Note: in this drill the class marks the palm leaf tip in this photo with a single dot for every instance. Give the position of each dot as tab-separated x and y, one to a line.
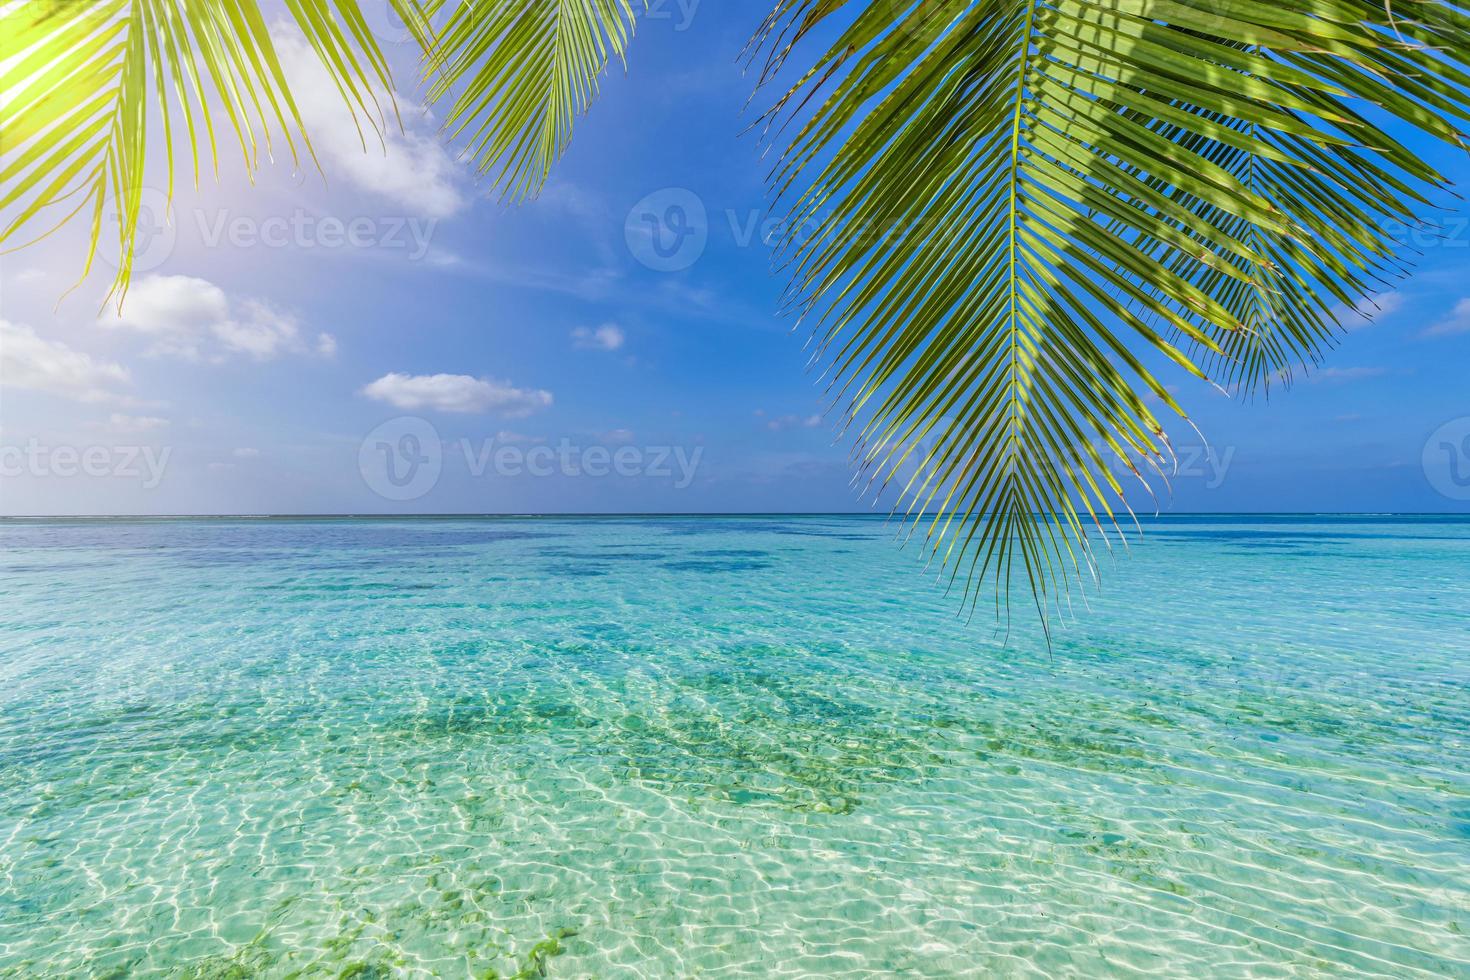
517	74
1088	195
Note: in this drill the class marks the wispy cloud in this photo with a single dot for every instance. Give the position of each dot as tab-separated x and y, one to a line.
458	393
515	438
262	332
1457	322
1335	375
134	424
608	337
30	362
781	423
1370	311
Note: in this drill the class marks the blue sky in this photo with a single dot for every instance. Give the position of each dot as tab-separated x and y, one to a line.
551	359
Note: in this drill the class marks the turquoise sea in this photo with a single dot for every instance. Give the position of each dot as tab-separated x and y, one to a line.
763	746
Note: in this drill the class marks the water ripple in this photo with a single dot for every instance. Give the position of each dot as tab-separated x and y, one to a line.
443	748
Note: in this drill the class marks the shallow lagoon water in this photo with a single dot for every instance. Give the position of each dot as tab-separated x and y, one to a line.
726	747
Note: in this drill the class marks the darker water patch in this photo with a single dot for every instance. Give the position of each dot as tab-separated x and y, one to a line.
751	526
579	571
832	535
354	588
635	556
23	568
716	566
1299	536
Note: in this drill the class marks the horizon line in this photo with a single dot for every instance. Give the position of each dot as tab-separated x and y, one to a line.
448	515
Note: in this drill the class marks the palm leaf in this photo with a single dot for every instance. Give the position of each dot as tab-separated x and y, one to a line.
518	73
81	83
1028	211
84	85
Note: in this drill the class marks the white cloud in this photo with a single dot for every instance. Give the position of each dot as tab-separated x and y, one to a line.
410	168
618	437
36	364
681	294
457	393
609	336
1456	323
262	333
246	453
175	311
442	258
785	422
1342	375
187	317
132	424
1369	311
575	200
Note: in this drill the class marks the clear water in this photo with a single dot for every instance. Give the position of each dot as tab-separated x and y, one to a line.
719	747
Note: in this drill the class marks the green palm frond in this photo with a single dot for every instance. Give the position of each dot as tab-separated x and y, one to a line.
1027	210
85	84
518	73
